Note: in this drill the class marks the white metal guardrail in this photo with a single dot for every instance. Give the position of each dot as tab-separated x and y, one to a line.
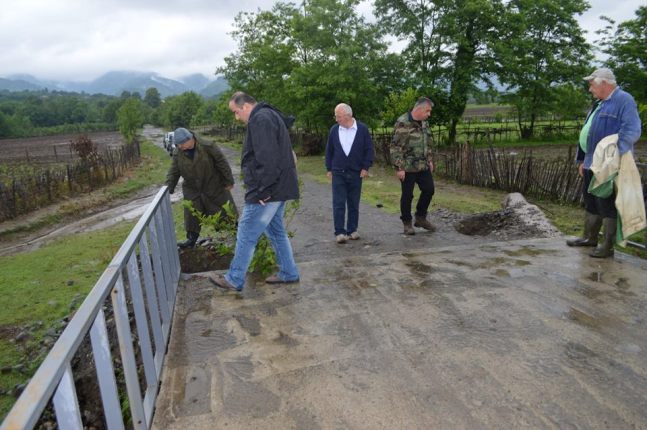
149	253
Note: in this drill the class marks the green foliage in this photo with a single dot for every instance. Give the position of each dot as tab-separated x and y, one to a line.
152	97
221	225
306	62
178	111
626	48
41	113
130	118
396	104
223	228
540	47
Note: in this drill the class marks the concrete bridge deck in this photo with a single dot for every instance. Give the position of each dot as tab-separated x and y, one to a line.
517	334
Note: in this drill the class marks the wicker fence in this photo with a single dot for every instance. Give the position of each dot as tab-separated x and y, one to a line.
22	191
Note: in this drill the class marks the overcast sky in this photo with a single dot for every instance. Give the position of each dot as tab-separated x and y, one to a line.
79	40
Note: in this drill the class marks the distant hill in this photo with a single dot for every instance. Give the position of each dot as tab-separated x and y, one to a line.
115	82
17	85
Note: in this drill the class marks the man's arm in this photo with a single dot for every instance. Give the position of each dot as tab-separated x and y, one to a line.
630	128
222	165
173	175
264	139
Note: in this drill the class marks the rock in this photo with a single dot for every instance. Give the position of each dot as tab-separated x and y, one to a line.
22	336
70	283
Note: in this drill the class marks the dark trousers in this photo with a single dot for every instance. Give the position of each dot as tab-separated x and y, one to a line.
604	207
426	184
346	191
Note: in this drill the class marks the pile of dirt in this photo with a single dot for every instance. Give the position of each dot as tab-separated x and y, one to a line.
518	219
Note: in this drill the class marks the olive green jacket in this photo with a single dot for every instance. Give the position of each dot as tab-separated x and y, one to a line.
206	175
411	144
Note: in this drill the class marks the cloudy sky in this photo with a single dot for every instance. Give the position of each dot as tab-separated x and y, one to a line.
82	39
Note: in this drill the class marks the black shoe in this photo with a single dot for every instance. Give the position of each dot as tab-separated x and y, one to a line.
191	239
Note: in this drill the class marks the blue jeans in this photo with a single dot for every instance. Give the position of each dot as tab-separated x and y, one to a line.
346	191
256	220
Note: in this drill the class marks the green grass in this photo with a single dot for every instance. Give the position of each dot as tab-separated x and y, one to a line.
38	288
383	187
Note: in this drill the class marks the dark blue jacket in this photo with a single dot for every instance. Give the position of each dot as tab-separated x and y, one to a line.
267	161
361	153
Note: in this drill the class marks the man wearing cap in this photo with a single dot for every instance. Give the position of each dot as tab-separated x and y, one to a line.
270	176
207	180
614	112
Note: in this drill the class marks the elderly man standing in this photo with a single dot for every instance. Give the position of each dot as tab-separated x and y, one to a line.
411	156
349	155
270	175
614	112
207	180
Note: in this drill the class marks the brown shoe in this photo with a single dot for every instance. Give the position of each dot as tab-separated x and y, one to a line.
408	228
274	279
220	282
422	222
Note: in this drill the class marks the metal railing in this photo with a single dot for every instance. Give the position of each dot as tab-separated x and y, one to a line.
150	253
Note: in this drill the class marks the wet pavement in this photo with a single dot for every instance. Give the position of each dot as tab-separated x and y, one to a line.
491	334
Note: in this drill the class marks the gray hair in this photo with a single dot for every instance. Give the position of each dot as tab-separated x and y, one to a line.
423	101
240	98
345	108
607	80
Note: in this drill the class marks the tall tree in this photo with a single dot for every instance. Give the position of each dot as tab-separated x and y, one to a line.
306	60
541	47
130	118
627	53
152	97
448	48
179	110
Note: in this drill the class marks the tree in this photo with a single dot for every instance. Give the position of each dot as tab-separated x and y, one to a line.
308	60
541	46
152	98
627	51
179	110
449	47
130	118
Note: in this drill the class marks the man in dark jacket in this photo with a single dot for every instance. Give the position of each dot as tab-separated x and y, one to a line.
270	175
349	154
207	180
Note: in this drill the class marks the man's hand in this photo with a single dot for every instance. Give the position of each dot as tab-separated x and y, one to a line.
329	174
400	174
363	173
262	202
580	170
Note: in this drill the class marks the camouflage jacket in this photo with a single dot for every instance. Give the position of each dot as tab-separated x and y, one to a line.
411	144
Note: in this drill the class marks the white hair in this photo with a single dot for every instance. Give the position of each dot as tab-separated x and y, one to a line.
600	80
345	109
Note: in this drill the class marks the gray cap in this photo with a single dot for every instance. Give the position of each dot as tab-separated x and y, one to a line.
602	73
181	135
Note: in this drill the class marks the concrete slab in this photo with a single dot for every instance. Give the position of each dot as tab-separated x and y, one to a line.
518	334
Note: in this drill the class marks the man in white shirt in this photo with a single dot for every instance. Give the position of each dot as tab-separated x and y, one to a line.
349	155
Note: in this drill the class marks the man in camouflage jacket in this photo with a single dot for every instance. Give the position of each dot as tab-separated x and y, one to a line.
207	180
411	156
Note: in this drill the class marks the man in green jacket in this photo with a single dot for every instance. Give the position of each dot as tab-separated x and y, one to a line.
411	156
207	180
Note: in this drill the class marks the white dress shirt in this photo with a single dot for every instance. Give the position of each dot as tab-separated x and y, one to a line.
347	136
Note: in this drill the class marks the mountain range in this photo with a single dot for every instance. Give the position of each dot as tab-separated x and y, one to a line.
115	82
